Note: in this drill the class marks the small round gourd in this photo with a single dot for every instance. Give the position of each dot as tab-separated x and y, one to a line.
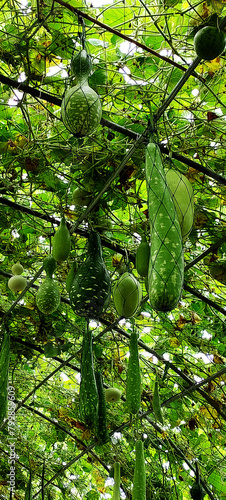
17	283
209	42
112	394
17	268
127	295
81	197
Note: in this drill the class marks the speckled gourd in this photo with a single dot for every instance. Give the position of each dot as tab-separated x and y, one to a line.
183	198
81	108
91	287
48	295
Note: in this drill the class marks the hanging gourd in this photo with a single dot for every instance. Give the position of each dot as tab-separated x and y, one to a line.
117	477
183	198
139	478
61	242
17	268
70	276
91	288
127	295
88	394
142	257
101	420
48	294
133	377
81	106
166	265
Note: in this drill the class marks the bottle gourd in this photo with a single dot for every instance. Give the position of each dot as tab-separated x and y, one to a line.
61	242
166	265
81	107
91	288
48	295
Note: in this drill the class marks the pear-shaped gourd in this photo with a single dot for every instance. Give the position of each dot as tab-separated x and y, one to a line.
142	257
48	294
61	242
81	107
183	198
91	288
127	295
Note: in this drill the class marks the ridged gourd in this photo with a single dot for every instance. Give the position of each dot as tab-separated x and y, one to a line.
81	108
127	295
48	295
61	242
91	288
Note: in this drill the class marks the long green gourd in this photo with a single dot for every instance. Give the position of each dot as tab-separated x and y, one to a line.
133	377
88	395
139	478
166	265
4	368
101	421
116	490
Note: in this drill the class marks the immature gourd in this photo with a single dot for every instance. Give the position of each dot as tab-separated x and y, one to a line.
142	257
101	420
183	198
139	478
88	394
209	42
81	107
127	295
70	276
133	377
17	268
91	288
61	242
17	283
116	490
48	294
112	394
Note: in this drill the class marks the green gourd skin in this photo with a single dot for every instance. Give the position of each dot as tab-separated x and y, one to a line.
81	65
48	295
81	108
127	295
133	377
70	276
166	265
183	198
101	421
88	395
209	42
61	242
116	489
139	478
91	288
142	257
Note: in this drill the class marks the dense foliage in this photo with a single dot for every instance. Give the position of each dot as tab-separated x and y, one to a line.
143	66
